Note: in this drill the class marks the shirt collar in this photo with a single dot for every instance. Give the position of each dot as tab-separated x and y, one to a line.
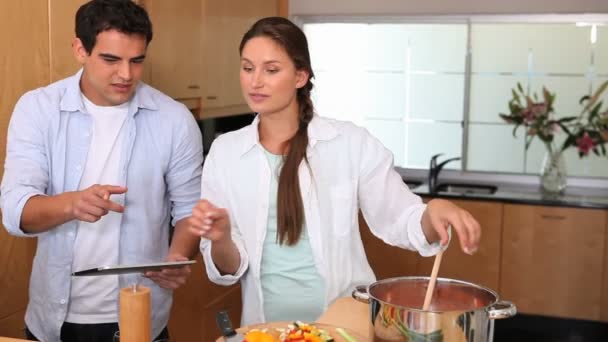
318	130
72	101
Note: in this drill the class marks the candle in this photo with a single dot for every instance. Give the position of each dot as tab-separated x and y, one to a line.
135	314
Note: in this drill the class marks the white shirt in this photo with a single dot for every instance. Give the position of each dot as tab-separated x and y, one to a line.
94	299
351	170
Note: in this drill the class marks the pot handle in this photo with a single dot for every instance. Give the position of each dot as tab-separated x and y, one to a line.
360	294
502	309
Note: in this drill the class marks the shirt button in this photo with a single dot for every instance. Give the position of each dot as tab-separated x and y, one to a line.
78	167
62	301
71	234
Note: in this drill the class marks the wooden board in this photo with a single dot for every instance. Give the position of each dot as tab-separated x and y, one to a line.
271	327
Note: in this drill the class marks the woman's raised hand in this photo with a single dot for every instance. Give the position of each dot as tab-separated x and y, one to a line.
440	214
209	221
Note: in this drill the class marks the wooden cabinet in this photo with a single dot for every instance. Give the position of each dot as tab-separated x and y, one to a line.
13	325
229	300
483	267
604	303
25	58
62	33
387	261
283	8
25	66
197	302
174	58
225	24
16	256
552	260
194	54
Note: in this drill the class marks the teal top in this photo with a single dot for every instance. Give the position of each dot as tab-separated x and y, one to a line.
291	285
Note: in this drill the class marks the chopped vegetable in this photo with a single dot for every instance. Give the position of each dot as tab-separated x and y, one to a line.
302	332
346	335
258	336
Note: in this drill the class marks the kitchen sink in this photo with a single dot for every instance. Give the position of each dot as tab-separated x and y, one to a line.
464	189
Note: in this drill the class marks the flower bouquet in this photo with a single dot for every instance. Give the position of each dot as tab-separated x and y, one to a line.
586	131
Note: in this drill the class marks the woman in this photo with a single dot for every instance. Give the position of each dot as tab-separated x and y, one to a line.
281	196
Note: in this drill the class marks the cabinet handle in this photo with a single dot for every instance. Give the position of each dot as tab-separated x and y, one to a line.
553	217
211	97
193	86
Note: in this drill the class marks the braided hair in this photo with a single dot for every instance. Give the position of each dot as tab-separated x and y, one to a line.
290	208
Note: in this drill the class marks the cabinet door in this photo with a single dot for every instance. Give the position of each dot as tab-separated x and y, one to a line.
62	15
552	260
283	8
387	261
13	326
230	301
196	303
24	60
225	24
25	66
174	58
16	256
604	310
482	268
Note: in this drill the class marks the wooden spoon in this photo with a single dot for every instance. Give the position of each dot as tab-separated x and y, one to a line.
432	281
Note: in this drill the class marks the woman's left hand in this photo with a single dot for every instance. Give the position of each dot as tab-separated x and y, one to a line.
440	214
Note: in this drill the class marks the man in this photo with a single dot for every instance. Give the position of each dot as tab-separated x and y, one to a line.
98	167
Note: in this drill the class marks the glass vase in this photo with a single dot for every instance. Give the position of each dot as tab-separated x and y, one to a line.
553	174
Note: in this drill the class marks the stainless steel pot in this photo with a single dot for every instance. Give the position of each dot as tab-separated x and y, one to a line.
459	311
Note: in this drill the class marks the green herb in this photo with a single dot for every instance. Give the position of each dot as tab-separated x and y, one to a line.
346	335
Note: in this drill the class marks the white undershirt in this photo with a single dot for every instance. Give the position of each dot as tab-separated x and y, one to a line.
94	299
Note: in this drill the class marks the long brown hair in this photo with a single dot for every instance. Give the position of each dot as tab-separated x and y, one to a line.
290	208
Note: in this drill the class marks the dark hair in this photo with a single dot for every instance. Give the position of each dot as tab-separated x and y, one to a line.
290	209
124	16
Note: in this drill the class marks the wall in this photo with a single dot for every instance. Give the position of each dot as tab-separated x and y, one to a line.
444	7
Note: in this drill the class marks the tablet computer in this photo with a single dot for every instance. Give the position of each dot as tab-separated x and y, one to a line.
137	268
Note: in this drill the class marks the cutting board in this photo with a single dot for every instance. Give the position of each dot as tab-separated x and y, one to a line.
271	329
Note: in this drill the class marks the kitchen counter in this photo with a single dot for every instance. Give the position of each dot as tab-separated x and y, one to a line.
526	194
348	313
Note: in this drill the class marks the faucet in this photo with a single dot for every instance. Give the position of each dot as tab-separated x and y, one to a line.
434	170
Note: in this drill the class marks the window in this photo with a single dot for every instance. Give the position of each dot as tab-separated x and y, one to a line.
438	86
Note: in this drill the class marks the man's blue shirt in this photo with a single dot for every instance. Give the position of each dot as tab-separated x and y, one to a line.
47	145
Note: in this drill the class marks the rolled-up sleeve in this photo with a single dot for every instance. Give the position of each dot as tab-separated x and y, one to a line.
212	190
213	273
26	166
184	176
392	211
